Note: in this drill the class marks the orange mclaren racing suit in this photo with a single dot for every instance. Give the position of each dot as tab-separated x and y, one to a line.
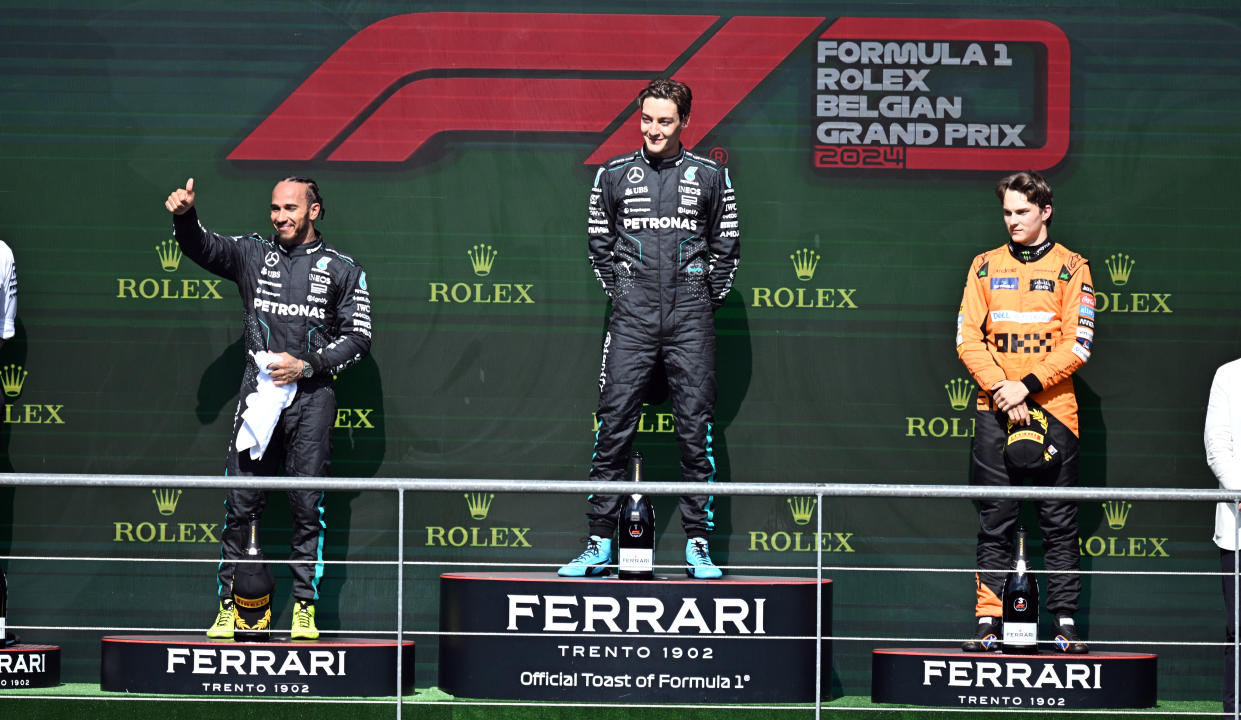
1027	314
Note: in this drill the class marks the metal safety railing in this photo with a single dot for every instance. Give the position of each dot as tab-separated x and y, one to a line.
400	486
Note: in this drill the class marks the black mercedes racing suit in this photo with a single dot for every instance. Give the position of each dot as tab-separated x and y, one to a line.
664	244
311	302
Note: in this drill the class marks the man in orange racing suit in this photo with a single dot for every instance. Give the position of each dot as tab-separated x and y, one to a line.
1026	324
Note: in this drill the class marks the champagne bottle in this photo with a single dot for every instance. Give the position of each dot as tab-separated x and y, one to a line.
636	554
253	587
1021	604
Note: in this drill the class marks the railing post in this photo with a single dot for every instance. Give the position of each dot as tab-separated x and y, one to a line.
400	599
818	608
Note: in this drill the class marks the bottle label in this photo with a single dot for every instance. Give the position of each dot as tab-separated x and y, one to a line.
635	559
1020	633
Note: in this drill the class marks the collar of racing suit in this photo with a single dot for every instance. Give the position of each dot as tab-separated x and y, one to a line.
661	163
303	249
1030	254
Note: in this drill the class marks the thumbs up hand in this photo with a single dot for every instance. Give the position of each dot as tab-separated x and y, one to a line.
182	199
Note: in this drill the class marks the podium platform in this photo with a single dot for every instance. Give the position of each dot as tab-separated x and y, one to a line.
953	678
194	665
26	665
536	636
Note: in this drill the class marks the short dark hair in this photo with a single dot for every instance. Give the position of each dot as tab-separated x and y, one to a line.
1029	183
313	195
667	89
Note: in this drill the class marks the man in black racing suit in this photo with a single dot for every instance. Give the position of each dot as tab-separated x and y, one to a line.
307	317
664	244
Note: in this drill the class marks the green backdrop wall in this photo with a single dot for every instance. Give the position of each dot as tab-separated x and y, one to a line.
846	373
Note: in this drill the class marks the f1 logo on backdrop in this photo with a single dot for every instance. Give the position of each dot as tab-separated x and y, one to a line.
389	89
400	81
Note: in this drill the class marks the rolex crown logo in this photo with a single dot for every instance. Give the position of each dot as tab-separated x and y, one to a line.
169	255
12	377
1116	512
803	508
166	500
479	504
481	258
804	263
959	392
1119	265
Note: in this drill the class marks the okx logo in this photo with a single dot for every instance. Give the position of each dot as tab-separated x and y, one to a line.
482	259
389	89
168	288
803	292
13	380
477	536
959	392
1120	268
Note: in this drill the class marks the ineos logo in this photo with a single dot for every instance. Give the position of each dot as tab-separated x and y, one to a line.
271	259
635	175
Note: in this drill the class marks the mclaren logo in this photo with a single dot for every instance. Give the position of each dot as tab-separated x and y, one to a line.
352	109
1120	271
804	262
166	288
477	536
482	260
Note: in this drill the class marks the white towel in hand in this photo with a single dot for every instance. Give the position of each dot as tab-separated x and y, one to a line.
263	408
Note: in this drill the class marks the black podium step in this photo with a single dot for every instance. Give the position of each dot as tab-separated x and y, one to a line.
29	666
952	678
193	665
536	636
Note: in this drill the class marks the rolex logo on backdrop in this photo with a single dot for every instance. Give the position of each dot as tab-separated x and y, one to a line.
155	531
803	292
1120	267
1118	544
168	288
13	381
648	422
960	391
478	505
166	501
482	259
802	513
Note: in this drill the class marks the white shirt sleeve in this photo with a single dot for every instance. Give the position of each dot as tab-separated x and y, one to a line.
8	292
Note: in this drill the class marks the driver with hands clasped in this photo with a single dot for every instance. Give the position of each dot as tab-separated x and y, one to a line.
1026	324
306	318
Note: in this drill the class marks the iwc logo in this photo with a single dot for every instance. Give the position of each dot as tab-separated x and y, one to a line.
166	288
482	258
801	511
804	261
960	391
13	381
160	531
1116	515
477	536
1120	270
